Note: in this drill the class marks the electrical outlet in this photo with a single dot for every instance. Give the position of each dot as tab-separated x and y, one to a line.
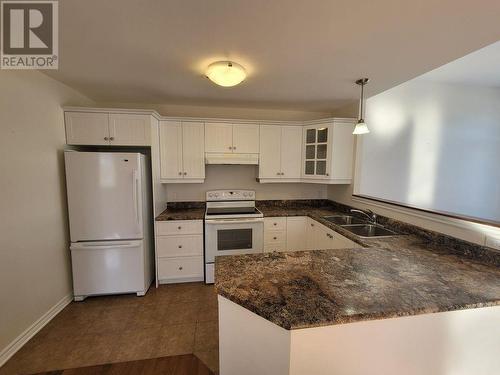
493	242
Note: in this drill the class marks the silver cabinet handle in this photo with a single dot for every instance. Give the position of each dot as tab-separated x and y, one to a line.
106	138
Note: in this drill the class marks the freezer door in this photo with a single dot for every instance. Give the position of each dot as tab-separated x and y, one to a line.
104	195
107	267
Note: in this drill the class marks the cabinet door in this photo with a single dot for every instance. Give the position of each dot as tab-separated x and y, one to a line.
270	145
312	241
85	128
193	150
246	139
170	150
316	151
343	150
218	137
296	233
291	151
129	130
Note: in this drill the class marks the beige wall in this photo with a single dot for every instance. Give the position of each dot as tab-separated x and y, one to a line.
242	177
222	112
34	258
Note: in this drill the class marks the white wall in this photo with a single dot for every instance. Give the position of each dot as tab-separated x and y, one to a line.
434	146
242	177
34	257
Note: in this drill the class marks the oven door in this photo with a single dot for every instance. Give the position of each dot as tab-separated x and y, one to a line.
233	236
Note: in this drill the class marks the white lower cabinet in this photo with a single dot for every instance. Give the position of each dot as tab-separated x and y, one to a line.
179	251
301	233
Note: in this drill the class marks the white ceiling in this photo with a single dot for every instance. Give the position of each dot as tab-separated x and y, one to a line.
480	68
299	54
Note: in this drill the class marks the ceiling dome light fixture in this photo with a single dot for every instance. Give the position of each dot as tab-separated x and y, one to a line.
226	73
361	127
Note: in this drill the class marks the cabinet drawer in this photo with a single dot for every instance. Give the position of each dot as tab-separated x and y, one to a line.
271	237
180	246
166	228
181	267
274	223
278	246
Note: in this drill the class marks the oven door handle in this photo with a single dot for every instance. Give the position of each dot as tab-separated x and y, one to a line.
235	221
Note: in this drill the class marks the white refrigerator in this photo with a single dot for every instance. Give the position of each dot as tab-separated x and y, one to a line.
109	222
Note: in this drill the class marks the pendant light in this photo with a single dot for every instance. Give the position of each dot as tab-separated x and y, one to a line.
226	73
361	127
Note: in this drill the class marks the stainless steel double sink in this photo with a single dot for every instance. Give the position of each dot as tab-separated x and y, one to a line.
360	227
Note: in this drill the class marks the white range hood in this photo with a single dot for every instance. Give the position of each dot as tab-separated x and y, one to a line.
231	158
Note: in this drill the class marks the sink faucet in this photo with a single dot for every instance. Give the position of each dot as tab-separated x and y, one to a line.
372	217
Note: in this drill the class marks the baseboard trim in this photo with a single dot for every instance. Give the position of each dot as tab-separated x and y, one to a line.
31	331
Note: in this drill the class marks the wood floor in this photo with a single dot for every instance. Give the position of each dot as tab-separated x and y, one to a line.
173	320
176	365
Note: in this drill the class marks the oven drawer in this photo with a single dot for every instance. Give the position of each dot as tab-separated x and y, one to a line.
179	246
167	228
180	268
274	223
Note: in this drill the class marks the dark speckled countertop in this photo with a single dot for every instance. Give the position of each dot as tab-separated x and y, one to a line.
183	211
415	273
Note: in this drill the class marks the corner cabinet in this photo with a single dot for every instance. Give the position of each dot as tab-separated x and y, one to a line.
328	152
280	153
182	152
107	129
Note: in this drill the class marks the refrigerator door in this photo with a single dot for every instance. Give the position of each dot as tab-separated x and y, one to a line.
107	267
104	195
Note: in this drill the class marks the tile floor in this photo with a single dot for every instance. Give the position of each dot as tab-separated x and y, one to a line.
171	320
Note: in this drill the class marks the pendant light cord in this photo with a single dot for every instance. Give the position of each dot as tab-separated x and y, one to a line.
360	117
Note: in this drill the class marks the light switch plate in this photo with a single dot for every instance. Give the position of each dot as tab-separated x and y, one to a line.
493	242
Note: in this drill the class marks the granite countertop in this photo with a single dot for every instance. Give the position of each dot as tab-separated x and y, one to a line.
183	211
416	273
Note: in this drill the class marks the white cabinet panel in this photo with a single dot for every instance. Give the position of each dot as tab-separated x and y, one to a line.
218	137
270	152
170	150
343	149
179	268
291	151
129	129
193	150
274	223
184	245
296	233
246	139
86	128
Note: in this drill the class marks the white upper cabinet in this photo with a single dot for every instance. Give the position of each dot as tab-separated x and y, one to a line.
86	128
280	153
129	129
182	152
246	138
218	137
193	150
328	152
114	129
231	138
270	152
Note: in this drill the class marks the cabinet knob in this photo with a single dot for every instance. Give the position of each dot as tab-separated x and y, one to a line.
180	268
234	147
274	238
111	138
282	174
312	225
180	173
179	227
275	224
328	174
230	148
277	173
180	246
185	173
106	138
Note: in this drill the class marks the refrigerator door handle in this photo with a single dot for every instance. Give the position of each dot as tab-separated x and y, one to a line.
135	193
84	246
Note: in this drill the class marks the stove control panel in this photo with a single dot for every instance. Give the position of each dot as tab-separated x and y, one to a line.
230	195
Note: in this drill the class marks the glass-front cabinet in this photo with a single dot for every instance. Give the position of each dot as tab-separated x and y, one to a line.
316	151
